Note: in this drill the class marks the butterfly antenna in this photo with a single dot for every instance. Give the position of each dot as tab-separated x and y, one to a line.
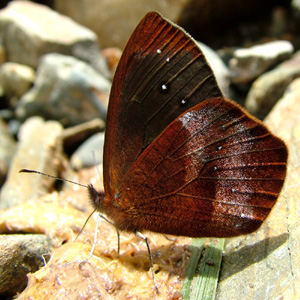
54	177
65	180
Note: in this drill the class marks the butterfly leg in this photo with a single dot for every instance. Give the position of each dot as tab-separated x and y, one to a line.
112	223
95	237
140	235
96	231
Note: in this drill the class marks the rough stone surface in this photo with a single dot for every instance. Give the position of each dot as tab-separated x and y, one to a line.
7	150
266	264
112	55
66	89
114	21
269	87
16	80
83	157
247	64
20	255
39	148
76	135
221	71
30	30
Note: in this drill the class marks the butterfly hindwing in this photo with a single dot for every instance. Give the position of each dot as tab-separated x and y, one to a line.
214	171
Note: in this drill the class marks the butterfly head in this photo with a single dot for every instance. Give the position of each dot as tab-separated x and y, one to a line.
96	197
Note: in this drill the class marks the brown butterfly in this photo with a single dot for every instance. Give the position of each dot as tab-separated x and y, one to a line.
179	158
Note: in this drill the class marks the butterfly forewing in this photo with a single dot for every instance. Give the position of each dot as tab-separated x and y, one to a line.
215	171
161	74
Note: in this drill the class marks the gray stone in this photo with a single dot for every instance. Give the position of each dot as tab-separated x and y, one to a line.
21	254
39	148
76	135
66	89
219	68
7	150
90	153
16	80
30	30
269	87
247	64
114	21
296	4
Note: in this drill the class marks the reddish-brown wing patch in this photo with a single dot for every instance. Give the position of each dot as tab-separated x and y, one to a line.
215	171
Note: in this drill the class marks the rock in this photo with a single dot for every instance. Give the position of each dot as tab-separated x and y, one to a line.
220	69
269	87
7	150
3	58
38	30
114	21
57	215
265	264
112	55
67	90
21	254
296	4
90	153
109	275
215	22
76	135
39	148
16	80
247	64
14	126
